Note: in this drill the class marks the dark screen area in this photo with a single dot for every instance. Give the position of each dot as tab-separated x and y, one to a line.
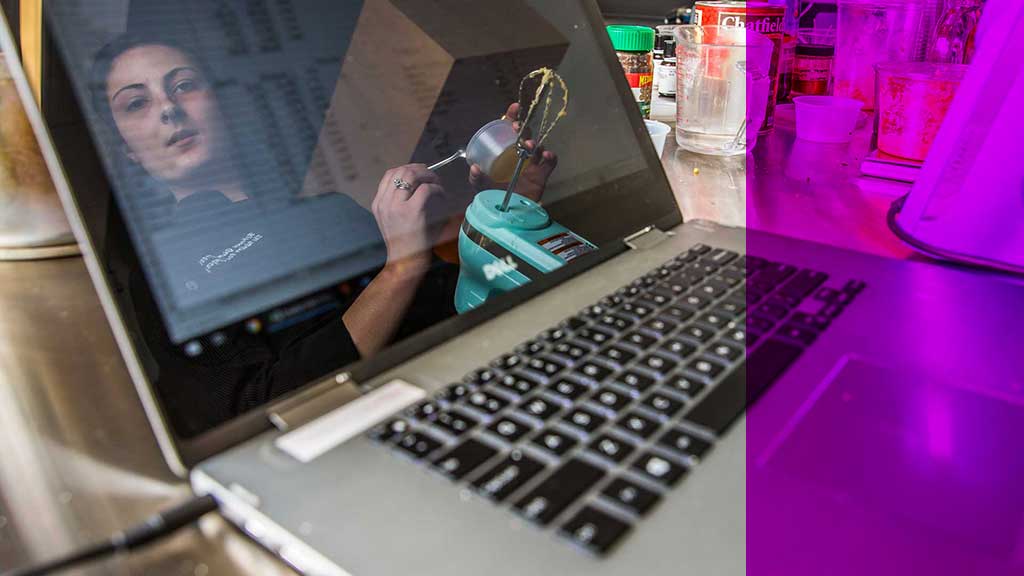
242	167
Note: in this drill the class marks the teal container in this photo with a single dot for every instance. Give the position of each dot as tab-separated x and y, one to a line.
501	251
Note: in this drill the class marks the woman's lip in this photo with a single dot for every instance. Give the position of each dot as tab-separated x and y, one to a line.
185	141
186	136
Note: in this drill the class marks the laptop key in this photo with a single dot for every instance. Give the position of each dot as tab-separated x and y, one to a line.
698	301
485	402
678	314
465	458
639	339
517	384
417	444
595	530
631	496
546	366
617	354
545	502
658	364
569	352
803	284
454	422
593	371
706	367
539	408
636	309
678	349
455	392
508	476
635	380
611	448
584	420
636	424
611	400
554	441
798	333
660	325
389	430
684	444
616	322
685	385
509	429
726	351
425	410
659	469
568	389
662	404
699	333
594	335
481	376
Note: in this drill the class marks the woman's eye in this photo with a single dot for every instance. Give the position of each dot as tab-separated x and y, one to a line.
185	86
135	104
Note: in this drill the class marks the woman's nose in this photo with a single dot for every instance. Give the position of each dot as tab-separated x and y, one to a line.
171	113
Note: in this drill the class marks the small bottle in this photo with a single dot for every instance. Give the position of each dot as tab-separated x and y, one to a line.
634	46
953	41
666	73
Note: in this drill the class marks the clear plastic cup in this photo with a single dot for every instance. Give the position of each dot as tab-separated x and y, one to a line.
714	64
658	132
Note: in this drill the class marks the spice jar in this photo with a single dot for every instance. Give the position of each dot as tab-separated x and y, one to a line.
813	69
666	72
634	46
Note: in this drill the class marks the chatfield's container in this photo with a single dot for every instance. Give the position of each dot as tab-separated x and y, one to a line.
762	17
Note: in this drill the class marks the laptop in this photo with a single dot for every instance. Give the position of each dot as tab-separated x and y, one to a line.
599	419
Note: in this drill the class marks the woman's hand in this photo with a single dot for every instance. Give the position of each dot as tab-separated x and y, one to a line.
410	216
536	172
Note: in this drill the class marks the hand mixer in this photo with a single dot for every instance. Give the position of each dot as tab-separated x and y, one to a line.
507	240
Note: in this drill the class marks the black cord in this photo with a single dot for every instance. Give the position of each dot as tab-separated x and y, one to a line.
973	262
154	528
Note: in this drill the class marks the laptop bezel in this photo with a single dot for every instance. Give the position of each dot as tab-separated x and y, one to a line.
181	454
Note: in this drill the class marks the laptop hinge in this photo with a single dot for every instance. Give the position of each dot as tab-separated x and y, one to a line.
647	238
313	403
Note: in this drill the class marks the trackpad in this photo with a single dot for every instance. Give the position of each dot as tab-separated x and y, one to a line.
923	454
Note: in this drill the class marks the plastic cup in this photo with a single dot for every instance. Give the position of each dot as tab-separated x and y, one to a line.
829	119
659	132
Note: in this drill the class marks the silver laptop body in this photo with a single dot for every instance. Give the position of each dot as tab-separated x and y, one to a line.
355	506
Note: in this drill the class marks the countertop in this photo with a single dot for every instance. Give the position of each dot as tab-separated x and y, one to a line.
79	461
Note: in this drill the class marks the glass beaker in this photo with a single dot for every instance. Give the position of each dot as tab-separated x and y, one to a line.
913	98
870	32
712	70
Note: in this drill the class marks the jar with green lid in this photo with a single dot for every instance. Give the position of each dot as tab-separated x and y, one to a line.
635	48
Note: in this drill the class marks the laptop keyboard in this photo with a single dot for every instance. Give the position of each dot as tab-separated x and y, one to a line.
586	427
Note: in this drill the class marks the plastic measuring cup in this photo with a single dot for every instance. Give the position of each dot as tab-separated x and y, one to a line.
829	119
493	148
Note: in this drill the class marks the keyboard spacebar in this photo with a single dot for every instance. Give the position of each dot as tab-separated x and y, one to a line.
729	398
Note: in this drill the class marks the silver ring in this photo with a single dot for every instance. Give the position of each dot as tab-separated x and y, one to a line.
401	184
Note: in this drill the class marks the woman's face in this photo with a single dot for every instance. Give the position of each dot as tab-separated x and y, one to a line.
166	113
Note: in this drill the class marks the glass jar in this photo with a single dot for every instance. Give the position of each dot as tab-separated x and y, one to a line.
634	46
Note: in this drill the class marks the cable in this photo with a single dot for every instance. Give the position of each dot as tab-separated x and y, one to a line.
963	260
154	528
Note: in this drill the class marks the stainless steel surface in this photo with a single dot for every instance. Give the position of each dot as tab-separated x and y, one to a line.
32	222
78	458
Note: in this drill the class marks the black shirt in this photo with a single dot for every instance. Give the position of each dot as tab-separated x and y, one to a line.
247	370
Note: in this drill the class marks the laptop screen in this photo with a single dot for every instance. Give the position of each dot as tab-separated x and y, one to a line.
253	174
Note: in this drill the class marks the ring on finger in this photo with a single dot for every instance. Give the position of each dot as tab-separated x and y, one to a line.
401	184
